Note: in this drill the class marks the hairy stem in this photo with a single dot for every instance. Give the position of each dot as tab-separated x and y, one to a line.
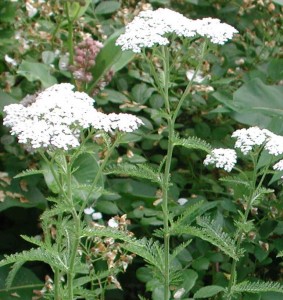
166	182
77	227
239	234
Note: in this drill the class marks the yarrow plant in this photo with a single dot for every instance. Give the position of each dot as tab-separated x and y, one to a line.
76	142
60	124
253	142
158	30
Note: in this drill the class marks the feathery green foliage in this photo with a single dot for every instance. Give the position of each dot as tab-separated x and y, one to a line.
212	233
192	143
140	171
190	212
179	249
51	257
13	272
258	287
218	237
236	179
29	172
259	195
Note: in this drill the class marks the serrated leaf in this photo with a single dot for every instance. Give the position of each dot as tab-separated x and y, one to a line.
29	172
212	233
208	291
192	143
139	170
236	180
50	257
258	287
13	272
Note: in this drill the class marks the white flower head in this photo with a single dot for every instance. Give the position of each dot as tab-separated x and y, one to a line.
274	144
55	118
246	139
124	122
222	158
152	28
279	165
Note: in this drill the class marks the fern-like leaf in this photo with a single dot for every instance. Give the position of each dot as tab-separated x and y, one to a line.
57	209
179	249
139	171
49	257
218	237
258	287
33	240
259	195
29	172
15	268
239	180
190	213
212	233
192	143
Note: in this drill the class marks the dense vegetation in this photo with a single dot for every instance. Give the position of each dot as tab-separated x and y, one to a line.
242	86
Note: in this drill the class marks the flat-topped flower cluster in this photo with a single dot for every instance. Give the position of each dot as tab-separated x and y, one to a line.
151	28
247	140
57	116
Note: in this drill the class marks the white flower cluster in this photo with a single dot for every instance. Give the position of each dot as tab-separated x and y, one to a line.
222	158
151	28
58	115
246	139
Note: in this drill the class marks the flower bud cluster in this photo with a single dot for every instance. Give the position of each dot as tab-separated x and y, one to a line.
55	118
85	55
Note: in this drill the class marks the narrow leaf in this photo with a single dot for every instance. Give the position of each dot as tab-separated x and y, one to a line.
258	287
29	172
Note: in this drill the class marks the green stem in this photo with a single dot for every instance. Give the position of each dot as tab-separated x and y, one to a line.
239	233
77	227
188	88
57	284
70	34
166	182
57	273
99	172
70	39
